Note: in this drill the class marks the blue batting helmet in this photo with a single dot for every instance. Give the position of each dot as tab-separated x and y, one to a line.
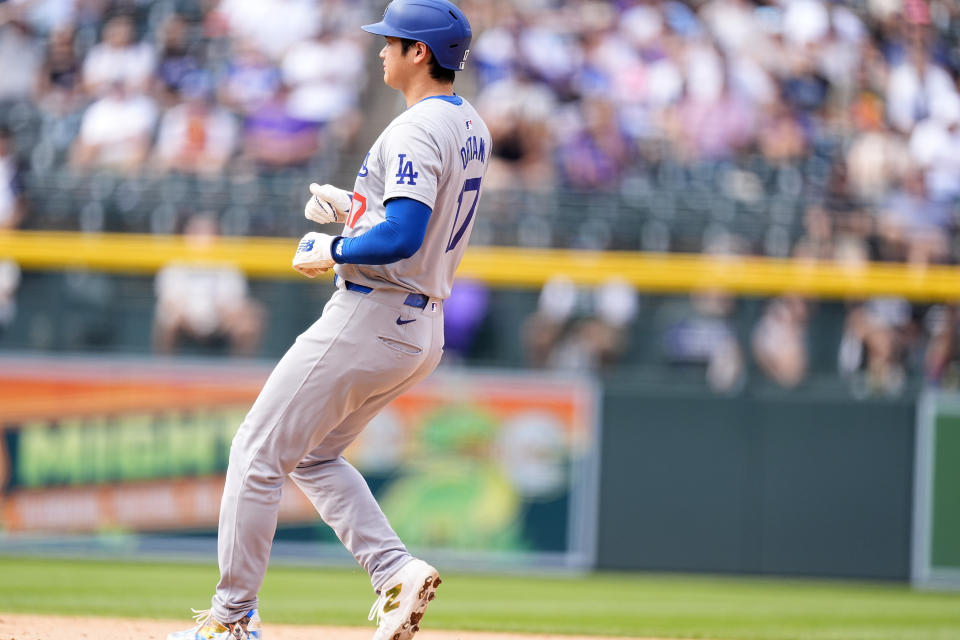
440	25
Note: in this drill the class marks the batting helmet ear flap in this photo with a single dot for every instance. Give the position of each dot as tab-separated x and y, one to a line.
440	25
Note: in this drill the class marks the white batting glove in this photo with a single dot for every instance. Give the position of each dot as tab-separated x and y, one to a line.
328	204
313	254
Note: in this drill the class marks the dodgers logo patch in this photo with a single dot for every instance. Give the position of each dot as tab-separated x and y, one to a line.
305	245
406	172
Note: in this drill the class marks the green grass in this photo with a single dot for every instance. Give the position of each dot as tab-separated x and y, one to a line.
605	604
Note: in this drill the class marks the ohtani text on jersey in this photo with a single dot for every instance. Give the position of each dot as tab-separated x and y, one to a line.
472	150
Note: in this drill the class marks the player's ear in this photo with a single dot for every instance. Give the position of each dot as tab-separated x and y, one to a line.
423	51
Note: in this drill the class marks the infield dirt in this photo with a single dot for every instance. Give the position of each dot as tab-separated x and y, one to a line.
41	627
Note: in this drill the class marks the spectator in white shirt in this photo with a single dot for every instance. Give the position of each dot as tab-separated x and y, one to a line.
118	57
12	210
913	88
116	132
272	25
203	303
326	76
935	147
12	204
21	56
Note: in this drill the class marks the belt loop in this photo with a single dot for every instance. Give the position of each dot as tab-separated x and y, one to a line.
359	288
417	300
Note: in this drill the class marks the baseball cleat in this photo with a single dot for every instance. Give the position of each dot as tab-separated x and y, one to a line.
209	628
403	599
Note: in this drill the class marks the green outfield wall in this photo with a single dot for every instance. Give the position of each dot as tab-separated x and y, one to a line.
805	483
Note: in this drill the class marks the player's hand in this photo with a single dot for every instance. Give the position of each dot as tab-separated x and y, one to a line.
313	254
327	204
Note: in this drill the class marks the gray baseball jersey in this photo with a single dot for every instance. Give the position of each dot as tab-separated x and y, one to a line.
371	343
436	152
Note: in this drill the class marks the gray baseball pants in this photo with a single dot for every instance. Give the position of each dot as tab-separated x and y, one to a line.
364	351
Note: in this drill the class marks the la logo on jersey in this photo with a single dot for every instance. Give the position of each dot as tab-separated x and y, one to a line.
405	171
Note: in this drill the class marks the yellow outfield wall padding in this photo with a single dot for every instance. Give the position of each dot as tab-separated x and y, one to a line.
501	266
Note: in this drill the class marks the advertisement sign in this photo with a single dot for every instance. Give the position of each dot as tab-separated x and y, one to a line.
479	466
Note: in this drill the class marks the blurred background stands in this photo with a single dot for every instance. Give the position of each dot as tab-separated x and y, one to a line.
826	130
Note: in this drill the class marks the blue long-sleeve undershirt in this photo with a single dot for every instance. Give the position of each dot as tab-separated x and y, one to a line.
396	238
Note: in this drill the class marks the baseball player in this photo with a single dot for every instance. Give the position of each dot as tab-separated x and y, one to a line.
406	225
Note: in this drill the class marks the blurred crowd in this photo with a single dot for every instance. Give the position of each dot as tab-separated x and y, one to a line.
582	91
834	123
103	91
860	96
846	111
195	86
